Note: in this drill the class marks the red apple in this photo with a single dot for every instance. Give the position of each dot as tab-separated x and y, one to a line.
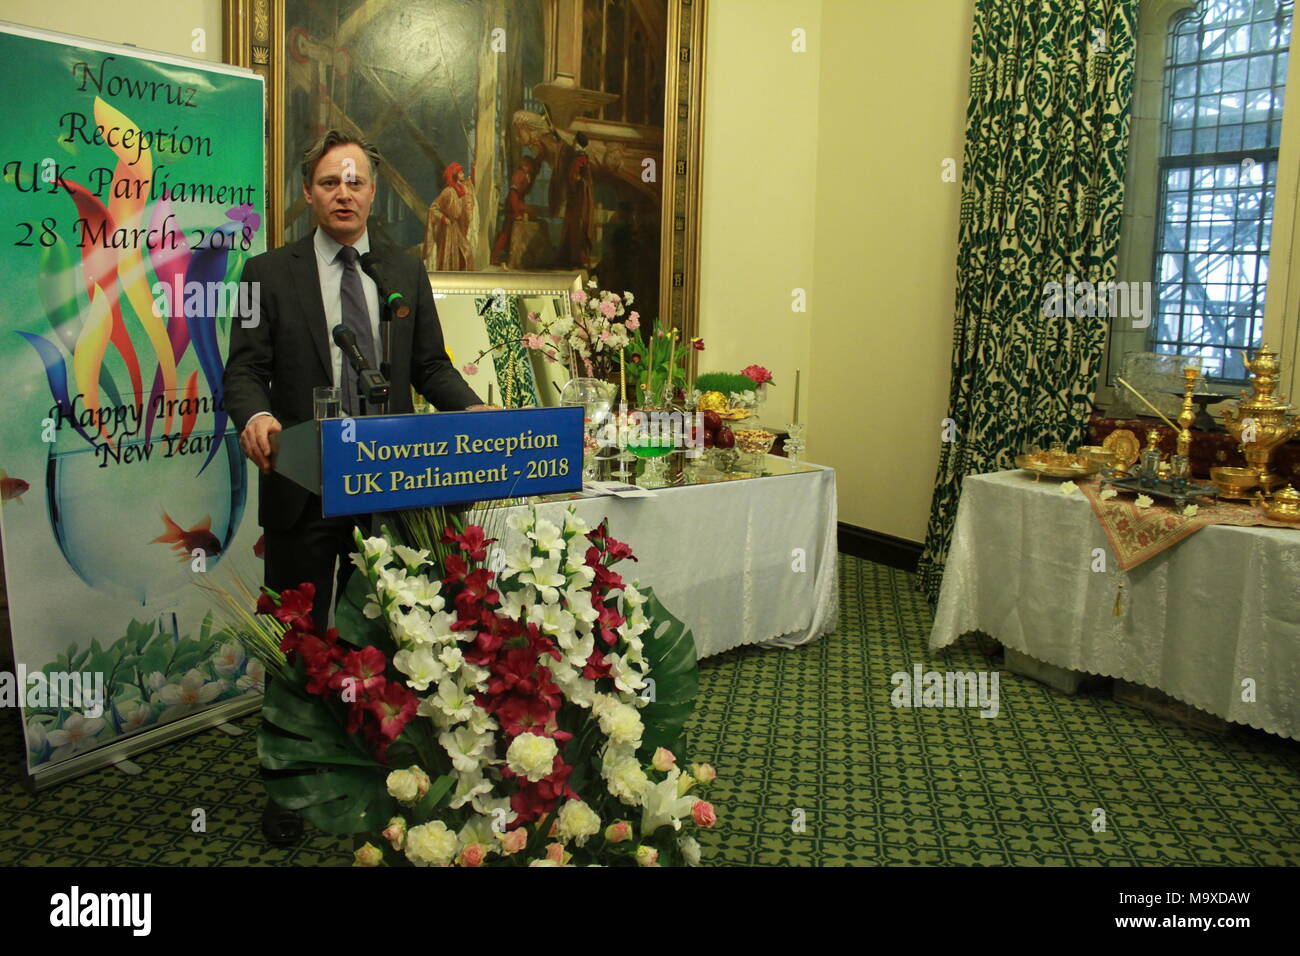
725	438
708	439
712	421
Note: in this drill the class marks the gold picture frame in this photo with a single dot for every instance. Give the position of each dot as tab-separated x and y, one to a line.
255	37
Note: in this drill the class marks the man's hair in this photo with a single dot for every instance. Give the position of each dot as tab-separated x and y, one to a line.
330	139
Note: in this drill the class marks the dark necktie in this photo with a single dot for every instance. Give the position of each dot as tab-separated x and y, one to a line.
356	317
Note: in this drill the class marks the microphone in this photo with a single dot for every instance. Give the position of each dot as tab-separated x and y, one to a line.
372	267
346	340
371	384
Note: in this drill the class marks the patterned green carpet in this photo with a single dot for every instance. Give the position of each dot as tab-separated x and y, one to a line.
817	768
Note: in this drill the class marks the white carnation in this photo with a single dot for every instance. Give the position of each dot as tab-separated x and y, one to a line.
619	722
431	844
577	822
531	756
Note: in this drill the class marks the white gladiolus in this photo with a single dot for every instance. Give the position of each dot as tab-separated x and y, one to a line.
662	806
547	577
420	667
468	786
547	536
468	751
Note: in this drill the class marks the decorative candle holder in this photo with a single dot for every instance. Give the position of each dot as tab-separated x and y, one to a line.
795	441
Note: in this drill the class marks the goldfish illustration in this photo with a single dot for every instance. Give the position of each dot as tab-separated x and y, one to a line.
12	488
259	549
184	542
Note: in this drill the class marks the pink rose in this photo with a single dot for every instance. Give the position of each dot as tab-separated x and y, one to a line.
395	833
514	841
555	853
578	296
704	773
473	855
368	855
634	317
633	322
757	373
608	309
647	856
702	813
469	369
663	760
619	832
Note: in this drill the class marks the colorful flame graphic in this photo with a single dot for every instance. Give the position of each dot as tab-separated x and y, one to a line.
110	275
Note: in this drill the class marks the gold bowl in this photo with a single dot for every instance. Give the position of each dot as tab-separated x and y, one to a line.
1100	453
1234	482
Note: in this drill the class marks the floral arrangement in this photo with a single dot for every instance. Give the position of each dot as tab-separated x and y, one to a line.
660	363
525	710
591	338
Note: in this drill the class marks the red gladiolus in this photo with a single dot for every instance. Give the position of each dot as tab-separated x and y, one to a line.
597	666
472	541
617	551
294	610
393	709
456	569
364	669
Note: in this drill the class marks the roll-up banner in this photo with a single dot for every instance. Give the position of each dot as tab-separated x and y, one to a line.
133	194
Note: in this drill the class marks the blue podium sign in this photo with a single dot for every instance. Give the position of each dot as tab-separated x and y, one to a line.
394	462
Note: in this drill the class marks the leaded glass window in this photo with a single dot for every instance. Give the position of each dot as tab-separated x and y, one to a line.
1225	74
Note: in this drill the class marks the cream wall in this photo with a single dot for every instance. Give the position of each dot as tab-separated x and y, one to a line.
822	171
165	25
759	202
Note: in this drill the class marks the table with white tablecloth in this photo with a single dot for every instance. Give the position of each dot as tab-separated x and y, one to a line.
1214	621
749	561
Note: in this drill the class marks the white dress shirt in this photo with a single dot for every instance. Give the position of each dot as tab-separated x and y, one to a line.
329	267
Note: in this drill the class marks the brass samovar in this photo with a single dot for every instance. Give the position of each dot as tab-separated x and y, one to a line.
1260	422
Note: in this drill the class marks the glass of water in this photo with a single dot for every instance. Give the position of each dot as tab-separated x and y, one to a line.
328	401
796	441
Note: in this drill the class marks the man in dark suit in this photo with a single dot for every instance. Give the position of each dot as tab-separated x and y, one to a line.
279	355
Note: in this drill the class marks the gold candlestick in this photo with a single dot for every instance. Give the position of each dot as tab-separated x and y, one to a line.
1188	414
622	379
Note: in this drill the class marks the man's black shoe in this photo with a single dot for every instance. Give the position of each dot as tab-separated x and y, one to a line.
280	826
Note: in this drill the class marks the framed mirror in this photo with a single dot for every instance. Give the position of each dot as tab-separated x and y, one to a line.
485	316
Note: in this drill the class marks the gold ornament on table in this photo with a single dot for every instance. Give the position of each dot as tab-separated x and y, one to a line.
1260	422
1283	506
717	402
1059	463
1123	444
1188	413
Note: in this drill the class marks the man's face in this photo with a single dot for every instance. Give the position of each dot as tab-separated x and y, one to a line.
341	192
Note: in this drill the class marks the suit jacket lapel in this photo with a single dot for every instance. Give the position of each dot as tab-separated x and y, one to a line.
306	280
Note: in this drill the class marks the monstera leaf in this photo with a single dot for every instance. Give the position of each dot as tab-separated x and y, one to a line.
350	619
322	771
670	651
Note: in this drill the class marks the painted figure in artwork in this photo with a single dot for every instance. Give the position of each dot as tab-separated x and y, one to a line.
579	232
521	181
448	240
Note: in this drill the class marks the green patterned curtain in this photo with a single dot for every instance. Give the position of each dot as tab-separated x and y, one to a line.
1042	189
510	358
